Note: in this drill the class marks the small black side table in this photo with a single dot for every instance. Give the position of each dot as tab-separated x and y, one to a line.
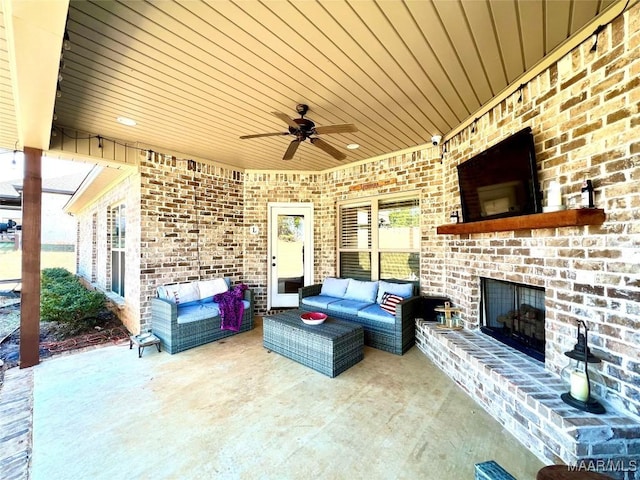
143	340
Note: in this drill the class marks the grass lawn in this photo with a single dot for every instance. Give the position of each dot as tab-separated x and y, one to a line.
11	261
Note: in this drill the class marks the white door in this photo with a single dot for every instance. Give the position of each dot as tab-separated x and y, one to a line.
290	252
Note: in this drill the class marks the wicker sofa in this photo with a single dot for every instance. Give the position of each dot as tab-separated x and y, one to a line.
362	302
185	315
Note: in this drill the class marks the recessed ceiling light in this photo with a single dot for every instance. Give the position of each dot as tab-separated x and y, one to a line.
126	121
353	146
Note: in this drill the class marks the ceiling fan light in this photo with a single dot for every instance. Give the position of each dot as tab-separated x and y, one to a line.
353	146
126	121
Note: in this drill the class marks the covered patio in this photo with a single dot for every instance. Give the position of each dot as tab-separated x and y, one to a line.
261	416
197	198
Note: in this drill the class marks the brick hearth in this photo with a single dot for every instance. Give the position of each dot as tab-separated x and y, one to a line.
525	398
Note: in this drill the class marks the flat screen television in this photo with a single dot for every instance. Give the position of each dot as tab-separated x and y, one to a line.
502	181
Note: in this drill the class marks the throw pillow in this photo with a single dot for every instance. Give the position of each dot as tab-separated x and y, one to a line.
404	290
334	287
209	288
389	302
361	291
180	294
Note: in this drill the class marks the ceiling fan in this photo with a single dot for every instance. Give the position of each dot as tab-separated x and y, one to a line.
303	128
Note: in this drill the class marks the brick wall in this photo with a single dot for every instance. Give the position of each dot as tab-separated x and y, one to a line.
192	225
94	251
526	399
259	190
584	112
409	172
585	118
86	251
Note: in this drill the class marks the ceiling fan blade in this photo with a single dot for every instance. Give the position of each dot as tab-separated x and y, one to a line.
338	128
291	151
335	153
263	135
287	119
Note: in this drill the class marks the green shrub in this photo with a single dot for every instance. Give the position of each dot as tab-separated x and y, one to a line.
63	299
53	275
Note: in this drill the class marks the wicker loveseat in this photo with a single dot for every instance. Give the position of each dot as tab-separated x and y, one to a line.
185	315
362	302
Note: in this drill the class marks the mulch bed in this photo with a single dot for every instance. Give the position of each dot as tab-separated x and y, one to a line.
53	338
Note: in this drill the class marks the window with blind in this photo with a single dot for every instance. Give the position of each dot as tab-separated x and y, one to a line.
386	248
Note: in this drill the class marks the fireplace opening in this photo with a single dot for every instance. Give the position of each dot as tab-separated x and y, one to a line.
514	314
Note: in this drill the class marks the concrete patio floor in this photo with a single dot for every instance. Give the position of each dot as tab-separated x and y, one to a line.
233	410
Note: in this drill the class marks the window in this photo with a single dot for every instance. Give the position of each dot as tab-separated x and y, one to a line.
118	233
384	249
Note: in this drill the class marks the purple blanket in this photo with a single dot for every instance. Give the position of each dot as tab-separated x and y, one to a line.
231	307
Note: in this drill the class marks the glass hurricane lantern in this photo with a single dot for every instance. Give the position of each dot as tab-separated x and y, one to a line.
584	382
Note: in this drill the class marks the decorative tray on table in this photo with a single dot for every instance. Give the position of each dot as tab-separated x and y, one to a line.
450	318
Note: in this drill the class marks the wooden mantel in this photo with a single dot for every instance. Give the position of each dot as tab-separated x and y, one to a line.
563	218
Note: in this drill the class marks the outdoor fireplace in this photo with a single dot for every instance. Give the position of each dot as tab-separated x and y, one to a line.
514	314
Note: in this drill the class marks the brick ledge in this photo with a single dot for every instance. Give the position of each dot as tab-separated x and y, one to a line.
525	398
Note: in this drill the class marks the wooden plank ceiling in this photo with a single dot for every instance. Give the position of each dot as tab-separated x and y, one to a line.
197	75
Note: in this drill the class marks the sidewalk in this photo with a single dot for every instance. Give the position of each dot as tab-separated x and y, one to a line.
16	423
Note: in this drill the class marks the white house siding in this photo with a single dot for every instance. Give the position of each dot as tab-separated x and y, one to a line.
58	228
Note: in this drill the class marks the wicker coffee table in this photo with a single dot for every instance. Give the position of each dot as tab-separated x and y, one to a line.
329	348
